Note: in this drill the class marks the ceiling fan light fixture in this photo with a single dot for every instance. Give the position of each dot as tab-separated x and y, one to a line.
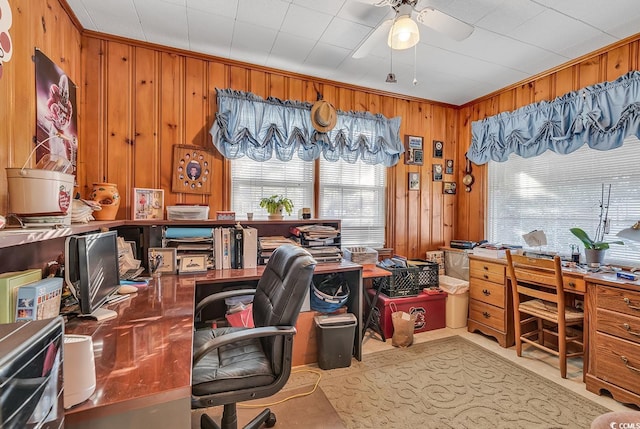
404	33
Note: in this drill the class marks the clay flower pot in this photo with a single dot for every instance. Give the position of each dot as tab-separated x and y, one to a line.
107	195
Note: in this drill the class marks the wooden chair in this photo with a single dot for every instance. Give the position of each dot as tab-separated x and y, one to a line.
538	292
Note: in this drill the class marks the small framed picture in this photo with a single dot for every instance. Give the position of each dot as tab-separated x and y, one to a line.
449	188
437	172
162	260
413	142
414	181
147	204
413	154
193	264
438	148
448	166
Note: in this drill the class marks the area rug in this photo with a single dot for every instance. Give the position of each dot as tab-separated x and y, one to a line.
448	383
308	409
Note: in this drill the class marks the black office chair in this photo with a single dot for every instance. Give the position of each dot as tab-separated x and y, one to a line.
231	364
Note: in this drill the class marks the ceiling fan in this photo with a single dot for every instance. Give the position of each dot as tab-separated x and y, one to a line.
402	32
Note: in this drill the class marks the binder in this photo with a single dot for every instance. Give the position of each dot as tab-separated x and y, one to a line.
217	248
226	249
238	247
250	249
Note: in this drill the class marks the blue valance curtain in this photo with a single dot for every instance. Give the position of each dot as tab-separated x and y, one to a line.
248	125
601	116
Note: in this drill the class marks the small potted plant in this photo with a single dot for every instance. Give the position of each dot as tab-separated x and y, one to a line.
275	205
593	249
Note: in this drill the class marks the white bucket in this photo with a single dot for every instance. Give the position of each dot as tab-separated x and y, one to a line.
35	192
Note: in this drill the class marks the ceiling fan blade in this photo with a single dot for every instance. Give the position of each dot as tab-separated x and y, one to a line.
378	3
376	38
445	24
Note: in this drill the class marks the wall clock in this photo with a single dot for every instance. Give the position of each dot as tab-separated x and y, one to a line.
467	179
191	170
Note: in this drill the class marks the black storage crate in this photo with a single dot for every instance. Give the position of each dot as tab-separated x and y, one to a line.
402	282
428	274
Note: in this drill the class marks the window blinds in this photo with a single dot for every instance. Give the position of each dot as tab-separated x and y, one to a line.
554	193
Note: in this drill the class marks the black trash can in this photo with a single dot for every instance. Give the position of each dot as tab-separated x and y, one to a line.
336	334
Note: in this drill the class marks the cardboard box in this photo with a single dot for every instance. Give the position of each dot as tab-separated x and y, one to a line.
428	308
436	256
39	300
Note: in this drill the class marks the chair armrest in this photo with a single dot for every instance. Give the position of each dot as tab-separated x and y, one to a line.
245	334
222	295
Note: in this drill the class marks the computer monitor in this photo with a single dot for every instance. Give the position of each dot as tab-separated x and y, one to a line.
92	271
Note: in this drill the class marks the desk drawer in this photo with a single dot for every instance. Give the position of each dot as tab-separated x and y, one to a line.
619	325
574	284
486	271
487	314
619	300
610	365
490	293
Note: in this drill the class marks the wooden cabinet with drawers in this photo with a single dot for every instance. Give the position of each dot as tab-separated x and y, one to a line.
613	310
490	300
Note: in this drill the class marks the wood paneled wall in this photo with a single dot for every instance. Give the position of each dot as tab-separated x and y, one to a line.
36	24
139	100
604	65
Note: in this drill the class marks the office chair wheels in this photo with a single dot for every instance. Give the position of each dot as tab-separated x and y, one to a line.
271	421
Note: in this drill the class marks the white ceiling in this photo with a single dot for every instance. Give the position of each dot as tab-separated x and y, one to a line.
512	40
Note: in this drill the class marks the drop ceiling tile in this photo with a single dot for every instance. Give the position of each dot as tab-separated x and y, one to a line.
163	22
265	13
227	8
561	32
588	45
81	13
512	14
330	7
292	48
326	57
305	22
209	33
365	14
115	17
252	43
345	34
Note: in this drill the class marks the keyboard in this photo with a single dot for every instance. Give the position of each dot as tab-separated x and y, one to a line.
131	274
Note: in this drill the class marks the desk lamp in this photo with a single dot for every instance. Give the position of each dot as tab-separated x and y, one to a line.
632	233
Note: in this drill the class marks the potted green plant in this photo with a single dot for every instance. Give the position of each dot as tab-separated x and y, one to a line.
275	205
594	250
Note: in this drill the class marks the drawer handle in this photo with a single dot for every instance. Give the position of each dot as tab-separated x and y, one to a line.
628	302
486	277
628	328
486	314
572	284
486	292
626	363
485	268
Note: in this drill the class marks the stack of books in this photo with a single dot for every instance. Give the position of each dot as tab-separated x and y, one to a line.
325	254
316	235
267	244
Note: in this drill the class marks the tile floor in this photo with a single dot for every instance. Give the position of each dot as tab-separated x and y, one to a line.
533	359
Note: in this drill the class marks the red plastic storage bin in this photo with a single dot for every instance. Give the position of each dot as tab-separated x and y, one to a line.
429	310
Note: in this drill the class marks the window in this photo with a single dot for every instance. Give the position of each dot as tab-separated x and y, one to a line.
251	180
554	193
353	193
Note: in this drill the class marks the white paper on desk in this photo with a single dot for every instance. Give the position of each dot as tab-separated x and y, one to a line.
535	238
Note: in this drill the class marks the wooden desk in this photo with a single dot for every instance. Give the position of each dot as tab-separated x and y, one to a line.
612	362
490	301
143	357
